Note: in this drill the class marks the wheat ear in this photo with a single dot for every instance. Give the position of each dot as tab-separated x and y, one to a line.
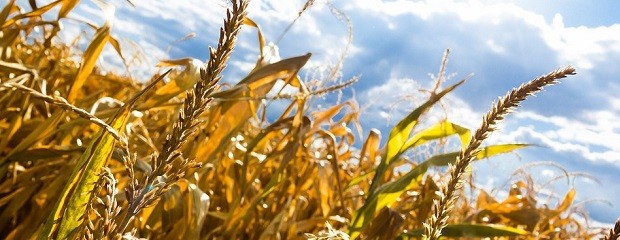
196	102
436	222
614	233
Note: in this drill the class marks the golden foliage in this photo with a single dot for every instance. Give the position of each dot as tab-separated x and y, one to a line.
192	159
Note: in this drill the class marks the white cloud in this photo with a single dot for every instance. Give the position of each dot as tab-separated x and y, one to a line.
578	45
595	138
193	14
495	47
581	46
382	100
150	25
396	98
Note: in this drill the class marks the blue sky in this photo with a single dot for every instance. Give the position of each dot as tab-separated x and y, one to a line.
397	46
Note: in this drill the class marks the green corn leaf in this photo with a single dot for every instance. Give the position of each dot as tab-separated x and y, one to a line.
385	195
397	143
499	149
389	192
489	151
400	134
440	130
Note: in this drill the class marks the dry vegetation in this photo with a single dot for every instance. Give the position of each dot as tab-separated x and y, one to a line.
91	155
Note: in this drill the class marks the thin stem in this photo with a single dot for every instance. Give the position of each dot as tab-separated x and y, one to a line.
194	105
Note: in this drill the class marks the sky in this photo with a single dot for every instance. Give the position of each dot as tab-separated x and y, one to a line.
396	49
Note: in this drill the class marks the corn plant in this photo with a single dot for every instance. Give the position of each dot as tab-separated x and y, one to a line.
87	154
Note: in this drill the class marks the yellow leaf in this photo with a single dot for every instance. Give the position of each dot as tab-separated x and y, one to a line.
568	200
42	131
440	130
181	81
88	61
234	108
38	12
67	6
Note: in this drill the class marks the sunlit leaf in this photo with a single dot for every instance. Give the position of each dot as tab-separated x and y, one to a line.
8	8
567	201
38	12
486	152
238	104
440	130
371	147
67	6
499	149
182	81
327	114
389	192
400	134
261	40
88	61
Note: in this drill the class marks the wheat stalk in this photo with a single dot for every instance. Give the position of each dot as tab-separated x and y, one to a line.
104	223
164	173
436	222
614	233
61	102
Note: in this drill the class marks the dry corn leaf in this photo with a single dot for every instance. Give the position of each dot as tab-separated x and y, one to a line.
16	203
385	225
8	8
184	207
261	40
42	131
36	13
277	178
566	202
181	81
68	212
88	61
238	104
67	6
